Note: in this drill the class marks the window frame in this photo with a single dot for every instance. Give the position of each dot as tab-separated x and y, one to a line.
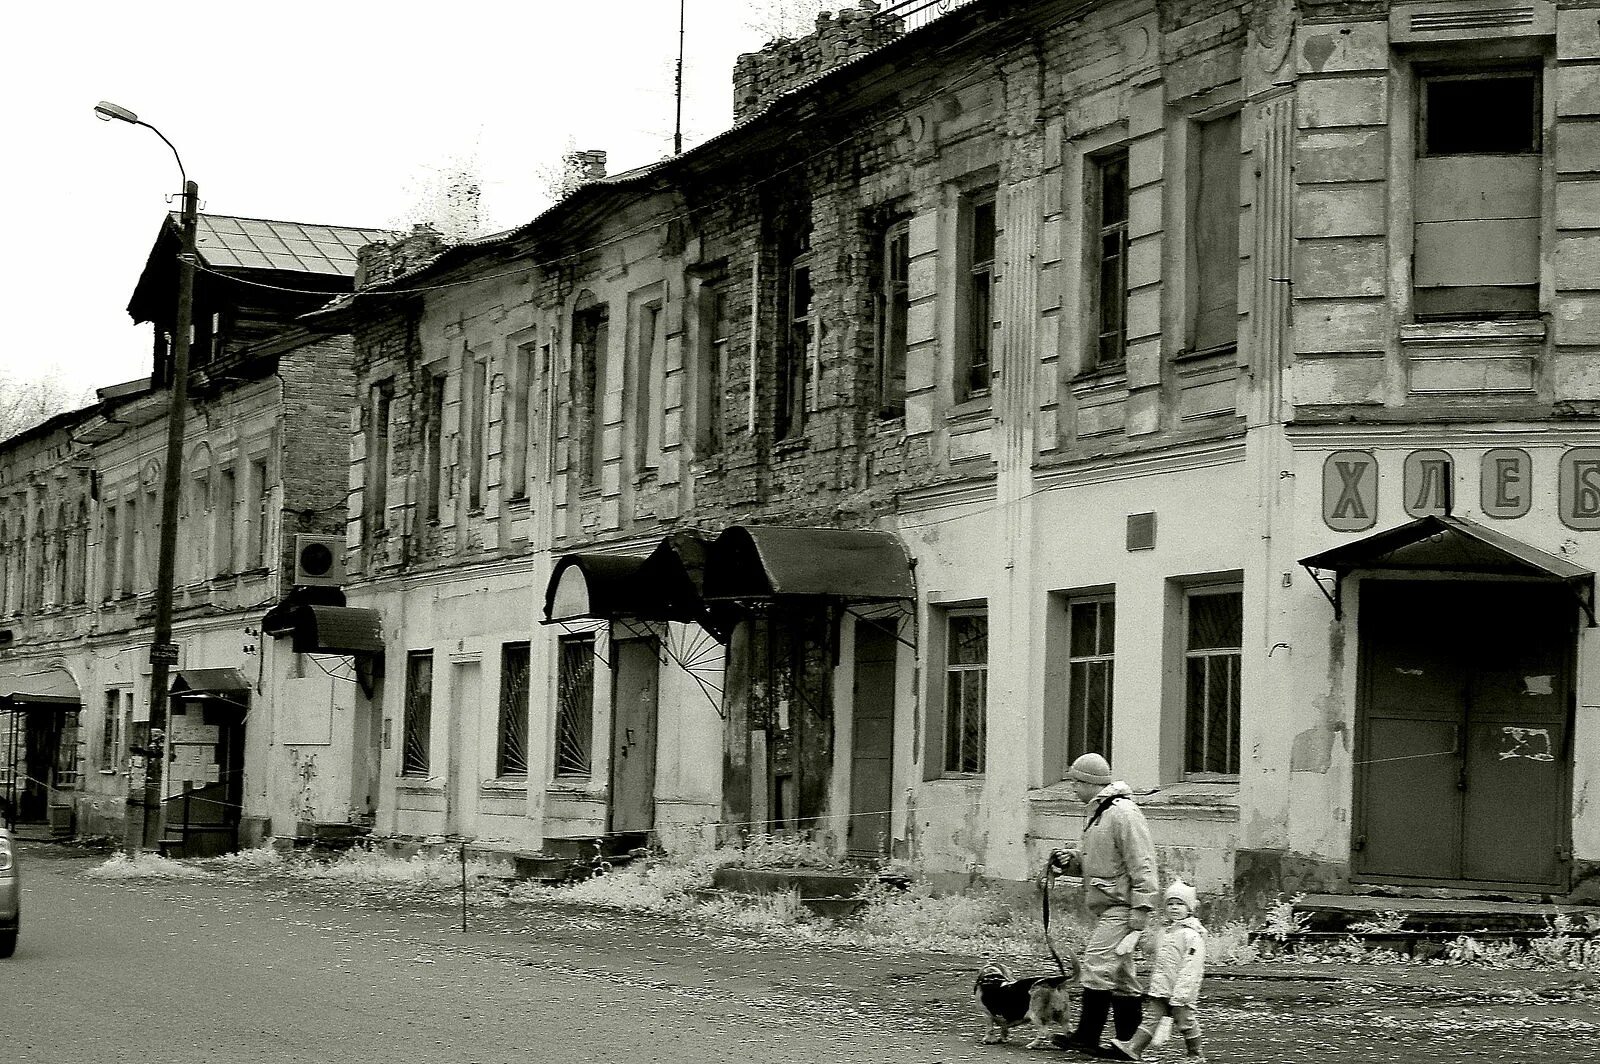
378	458
574	723
798	334
591	335
711	322
1235	689
1105	656
892	313
1099	232
511	741
416	731
516	422
956	726
979	277
1198	279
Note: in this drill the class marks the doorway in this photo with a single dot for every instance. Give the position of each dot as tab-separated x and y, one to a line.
1463	764
633	734
872	738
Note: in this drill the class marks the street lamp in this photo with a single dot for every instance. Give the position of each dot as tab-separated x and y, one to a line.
146	814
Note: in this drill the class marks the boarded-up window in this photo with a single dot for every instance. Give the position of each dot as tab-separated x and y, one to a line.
418	713
649	367
1214	235
433	450
1092	643
474	419
1478	194
377	470
1109	257
514	425
575	705
966	691
511	757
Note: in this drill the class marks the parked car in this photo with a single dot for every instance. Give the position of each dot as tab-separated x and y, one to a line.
10	895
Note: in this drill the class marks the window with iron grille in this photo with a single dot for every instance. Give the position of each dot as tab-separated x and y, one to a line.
966	694
1091	627
418	713
575	706
1109	209
511	757
1214	627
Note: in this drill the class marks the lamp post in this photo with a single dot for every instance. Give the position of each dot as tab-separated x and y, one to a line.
146	814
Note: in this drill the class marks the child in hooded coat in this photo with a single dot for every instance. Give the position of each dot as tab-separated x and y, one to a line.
1175	980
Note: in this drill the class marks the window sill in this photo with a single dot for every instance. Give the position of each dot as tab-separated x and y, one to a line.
517	503
957	777
1492	331
504	787
978	409
1102	377
1207	354
791	445
420	784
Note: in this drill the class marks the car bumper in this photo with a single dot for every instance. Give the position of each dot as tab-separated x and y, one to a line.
8	903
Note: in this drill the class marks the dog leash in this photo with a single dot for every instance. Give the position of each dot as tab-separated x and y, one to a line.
1044	887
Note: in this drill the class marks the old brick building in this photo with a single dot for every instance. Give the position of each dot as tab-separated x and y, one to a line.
80	497
973	402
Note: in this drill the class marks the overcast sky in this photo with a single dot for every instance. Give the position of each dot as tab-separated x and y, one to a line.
327	111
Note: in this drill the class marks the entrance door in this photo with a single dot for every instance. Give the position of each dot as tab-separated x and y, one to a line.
1462	765
872	743
633	735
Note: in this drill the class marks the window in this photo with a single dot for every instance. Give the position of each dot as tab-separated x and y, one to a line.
377	469
476	400
80	554
108	730
1091	626
63	542
224	499
514	425
794	347
261	513
575	705
893	313
1213	267
433	450
418	722
712	310
111	532
130	544
974	368
966	695
1478	194
1214	627
647	369
1109	257
511	756
590	337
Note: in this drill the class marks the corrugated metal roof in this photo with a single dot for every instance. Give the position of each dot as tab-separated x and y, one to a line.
228	242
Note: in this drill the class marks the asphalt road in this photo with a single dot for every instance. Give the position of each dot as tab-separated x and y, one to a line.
265	972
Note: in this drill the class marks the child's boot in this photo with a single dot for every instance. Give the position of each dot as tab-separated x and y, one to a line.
1191	1044
1133	1048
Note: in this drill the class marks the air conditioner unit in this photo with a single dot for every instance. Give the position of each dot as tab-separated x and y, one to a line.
318	561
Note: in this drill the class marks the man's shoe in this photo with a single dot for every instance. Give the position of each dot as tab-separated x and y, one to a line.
1121	1050
1073	1041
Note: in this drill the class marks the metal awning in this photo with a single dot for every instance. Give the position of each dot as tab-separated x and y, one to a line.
210	681
1454	545
755	563
52	686
327	629
592	587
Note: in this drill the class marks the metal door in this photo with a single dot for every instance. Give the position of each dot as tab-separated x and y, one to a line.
633	734
1461	767
872	742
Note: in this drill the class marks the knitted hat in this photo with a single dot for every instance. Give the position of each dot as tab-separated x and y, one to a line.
1090	768
1181	891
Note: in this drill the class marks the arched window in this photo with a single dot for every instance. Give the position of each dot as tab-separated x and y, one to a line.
58	575
80	554
38	563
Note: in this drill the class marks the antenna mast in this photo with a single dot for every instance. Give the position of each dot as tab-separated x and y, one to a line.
677	123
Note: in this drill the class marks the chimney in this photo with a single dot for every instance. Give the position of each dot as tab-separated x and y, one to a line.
761	77
583	167
382	261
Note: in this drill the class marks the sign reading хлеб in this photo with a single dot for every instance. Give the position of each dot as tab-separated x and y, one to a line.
1428	477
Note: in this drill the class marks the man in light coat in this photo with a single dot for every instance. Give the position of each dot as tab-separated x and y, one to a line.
1117	862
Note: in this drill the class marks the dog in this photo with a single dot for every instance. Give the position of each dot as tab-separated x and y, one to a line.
1040	1001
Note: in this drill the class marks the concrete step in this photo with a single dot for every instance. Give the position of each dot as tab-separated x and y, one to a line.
1337	913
